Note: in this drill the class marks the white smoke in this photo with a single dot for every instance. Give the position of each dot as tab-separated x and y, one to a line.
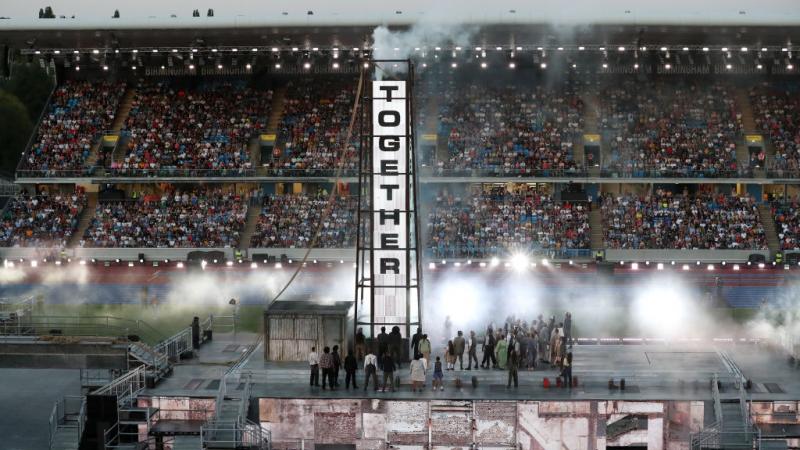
419	40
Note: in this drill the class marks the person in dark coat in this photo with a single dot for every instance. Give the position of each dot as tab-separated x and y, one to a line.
350	367
388	371
458	348
513	368
361	344
396	345
489	360
337	364
568	328
383	346
415	343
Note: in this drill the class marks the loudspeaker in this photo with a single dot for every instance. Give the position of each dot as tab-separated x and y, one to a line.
141	257
622	384
474	382
397	382
756	258
792	258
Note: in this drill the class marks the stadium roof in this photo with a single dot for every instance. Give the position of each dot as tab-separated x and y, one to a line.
96	14
86	23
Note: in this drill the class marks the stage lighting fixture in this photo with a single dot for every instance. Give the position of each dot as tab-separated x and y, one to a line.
705	49
341	261
453	65
290	261
685	267
483	65
636	66
82	262
469	262
117	260
179	265
78	68
710	267
668	66
759	66
571	262
229	263
622	263
105	67
635	266
307	65
660	266
545	262
735	267
58	263
495	262
34	263
191	66
543	65
130	263
431	266
724	49
335	65
278	265
512	65
605	66
482	264
520	262
672	262
248	66
277	66
697	263
760	265
366	65
458	264
790	67
253	265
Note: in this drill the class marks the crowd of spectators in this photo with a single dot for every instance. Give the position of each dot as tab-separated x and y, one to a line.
776	113
498	221
206	129
665	220
509	130
676	128
77	113
787	224
312	135
291	220
179	217
41	220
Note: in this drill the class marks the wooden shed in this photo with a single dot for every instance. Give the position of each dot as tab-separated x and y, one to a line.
291	328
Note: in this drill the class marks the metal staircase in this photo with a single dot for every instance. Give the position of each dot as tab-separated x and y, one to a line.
66	423
733	428
596	229
156	363
230	428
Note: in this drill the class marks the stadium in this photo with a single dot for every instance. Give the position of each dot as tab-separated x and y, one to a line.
206	208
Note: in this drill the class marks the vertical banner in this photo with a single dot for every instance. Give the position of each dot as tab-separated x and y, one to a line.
390	201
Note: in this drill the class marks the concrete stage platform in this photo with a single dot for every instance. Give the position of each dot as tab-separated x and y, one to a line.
661	371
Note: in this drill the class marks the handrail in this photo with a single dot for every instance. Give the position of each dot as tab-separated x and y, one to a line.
221	392
35	132
89	326
125	386
176	344
717	402
53	423
245	402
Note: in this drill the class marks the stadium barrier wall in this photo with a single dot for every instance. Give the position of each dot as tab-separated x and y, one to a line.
711	256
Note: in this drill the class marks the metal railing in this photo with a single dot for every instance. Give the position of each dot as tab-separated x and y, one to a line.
83	326
157	362
126	386
175	345
120	172
241	433
716	398
67	413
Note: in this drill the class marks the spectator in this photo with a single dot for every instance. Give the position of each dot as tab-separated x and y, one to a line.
313	364
388	371
509	130
370	370
496	221
291	220
78	112
670	129
438	375
417	369
706	220
41	220
203	129
350	367
202	217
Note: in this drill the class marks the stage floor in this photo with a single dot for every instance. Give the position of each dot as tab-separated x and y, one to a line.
651	371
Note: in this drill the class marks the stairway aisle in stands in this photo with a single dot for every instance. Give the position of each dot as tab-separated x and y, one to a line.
84	220
765	211
273	123
119	119
596	228
253	211
749	127
590	126
124	110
